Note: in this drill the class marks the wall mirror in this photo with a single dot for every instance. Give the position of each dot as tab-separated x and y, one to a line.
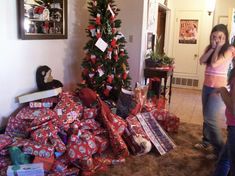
42	19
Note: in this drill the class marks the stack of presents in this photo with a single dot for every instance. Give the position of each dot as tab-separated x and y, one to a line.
64	133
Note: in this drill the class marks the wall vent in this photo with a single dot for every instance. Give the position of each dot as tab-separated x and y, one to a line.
185	82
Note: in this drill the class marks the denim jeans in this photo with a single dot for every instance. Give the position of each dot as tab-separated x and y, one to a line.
211	106
226	160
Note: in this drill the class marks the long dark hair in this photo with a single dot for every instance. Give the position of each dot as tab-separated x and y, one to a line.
221	28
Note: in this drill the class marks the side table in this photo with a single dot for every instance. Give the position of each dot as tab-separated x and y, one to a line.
161	73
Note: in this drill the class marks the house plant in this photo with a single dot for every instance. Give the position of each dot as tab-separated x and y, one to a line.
157	58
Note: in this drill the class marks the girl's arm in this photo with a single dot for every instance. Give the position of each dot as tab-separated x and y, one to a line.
220	59
227	98
206	55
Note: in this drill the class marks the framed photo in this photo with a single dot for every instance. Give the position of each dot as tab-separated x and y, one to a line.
188	31
223	20
40	19
150	40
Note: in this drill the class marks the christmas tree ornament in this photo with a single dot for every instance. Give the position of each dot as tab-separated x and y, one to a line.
124	76
115	57
85	72
97	20
98	34
122	53
101	72
110	78
113	42
92	29
124	66
93	59
110	10
101	44
114	30
109	54
95	3
91	75
107	90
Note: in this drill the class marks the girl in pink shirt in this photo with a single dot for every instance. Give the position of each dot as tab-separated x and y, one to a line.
217	57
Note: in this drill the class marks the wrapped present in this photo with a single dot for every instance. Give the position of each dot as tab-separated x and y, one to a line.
167	120
57	143
135	137
40	150
5	140
67	110
115	126
35	169
42	116
4	152
102	143
17	127
81	146
90	113
156	133
4	162
47	162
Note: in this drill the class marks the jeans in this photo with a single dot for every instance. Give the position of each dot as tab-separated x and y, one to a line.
226	160
211	106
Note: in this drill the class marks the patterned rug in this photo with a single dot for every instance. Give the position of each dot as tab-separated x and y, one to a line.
184	160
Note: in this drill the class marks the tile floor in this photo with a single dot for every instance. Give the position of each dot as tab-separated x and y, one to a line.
186	104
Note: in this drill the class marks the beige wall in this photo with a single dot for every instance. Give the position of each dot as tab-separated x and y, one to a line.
20	58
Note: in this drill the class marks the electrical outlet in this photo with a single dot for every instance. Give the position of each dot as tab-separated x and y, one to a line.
130	38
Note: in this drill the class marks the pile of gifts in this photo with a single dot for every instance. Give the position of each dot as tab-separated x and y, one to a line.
78	134
68	139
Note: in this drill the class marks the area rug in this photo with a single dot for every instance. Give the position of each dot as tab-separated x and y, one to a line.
184	160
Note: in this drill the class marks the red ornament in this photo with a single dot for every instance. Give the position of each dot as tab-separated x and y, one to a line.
107	91
85	72
122	53
124	76
114	30
97	20
112	18
110	79
98	34
115	58
93	59
113	43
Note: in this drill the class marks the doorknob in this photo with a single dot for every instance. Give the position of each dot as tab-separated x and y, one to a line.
195	55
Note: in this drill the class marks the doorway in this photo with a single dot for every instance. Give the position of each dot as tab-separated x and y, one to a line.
161	23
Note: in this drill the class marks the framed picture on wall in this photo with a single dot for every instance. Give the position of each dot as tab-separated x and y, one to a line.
188	31
223	20
39	19
150	40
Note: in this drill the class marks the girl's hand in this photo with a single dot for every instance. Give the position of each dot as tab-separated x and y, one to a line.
221	40
213	43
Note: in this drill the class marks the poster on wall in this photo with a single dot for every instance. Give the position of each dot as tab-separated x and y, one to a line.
188	31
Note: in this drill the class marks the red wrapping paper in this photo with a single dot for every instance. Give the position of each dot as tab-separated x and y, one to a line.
5	140
4	162
81	146
68	111
167	120
89	113
44	151
115	127
134	129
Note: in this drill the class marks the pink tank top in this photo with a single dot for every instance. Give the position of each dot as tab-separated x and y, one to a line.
217	76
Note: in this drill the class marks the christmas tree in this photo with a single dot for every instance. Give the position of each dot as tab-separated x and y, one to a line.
105	66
